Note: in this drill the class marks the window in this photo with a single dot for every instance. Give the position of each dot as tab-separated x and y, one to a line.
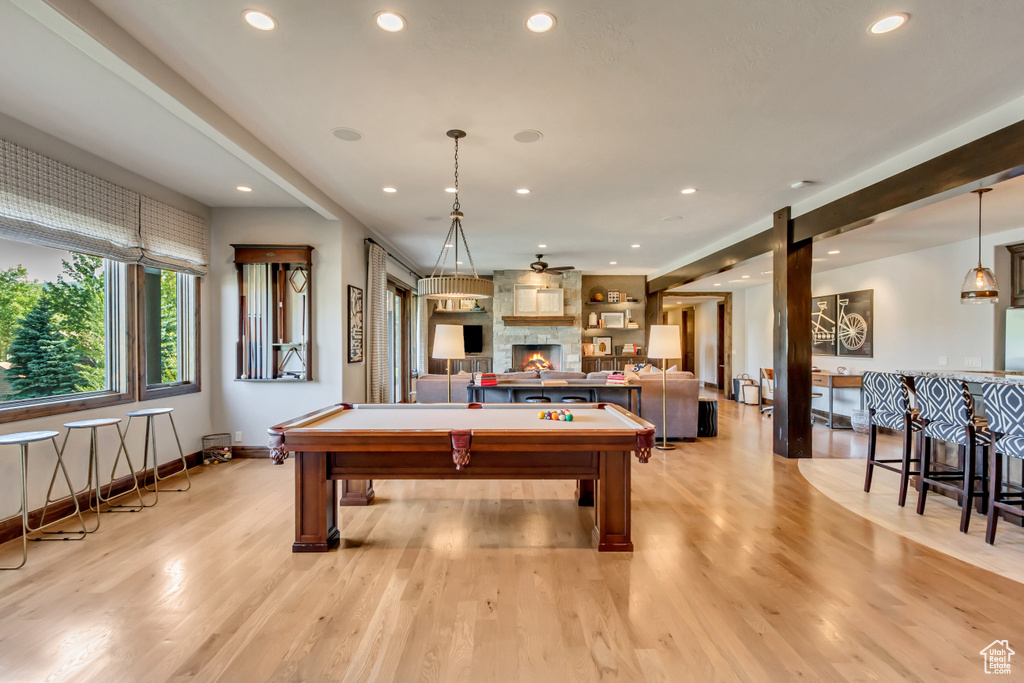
61	313
169	333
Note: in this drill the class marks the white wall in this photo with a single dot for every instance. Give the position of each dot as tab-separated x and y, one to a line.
918	317
339	260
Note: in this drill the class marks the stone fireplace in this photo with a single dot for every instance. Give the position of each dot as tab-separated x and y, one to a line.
566	337
537	357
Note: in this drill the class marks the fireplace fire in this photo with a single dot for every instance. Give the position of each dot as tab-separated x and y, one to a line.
536	357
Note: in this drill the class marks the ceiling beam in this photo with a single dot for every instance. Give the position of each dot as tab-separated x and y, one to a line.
83	25
718	262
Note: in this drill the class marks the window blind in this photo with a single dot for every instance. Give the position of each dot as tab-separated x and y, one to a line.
44	201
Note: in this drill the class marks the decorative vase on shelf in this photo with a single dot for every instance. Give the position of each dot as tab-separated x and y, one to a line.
592	320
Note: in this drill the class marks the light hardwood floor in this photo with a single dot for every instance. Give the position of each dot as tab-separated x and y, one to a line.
743	571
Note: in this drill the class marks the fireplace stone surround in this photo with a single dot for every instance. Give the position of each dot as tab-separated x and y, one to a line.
569	337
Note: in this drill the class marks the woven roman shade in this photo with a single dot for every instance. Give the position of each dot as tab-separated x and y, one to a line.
46	202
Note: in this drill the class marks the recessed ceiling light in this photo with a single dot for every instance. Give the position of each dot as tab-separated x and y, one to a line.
817	259
801	183
390	189
448	246
612	263
732	281
243	188
523	190
888	24
458	263
834	251
689	190
260	20
540	22
542	246
635	246
745	277
451	190
717	284
390	22
766	272
347	134
528	136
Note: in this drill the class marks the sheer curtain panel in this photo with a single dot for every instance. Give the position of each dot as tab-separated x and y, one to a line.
377	386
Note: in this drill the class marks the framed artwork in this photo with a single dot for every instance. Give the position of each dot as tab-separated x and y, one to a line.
855	323
466	304
823	325
602	346
549	302
525	299
355	324
613	319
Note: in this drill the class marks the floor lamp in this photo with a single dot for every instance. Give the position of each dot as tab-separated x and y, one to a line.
449	345
664	344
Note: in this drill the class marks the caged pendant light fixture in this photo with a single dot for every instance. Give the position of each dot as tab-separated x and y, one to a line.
455	286
980	286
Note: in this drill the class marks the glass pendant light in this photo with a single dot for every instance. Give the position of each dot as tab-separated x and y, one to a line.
980	286
455	286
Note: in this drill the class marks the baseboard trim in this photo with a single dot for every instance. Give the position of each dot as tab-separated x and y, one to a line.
250	452
10	528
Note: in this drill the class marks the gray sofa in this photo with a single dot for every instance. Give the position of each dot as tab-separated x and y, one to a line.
682	404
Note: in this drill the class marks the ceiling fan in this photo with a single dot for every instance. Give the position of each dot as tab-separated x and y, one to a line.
539	266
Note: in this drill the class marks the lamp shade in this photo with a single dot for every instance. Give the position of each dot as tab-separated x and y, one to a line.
448	342
664	342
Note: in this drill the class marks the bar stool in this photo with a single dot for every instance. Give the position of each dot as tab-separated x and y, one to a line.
22	440
947	414
574	399
888	403
150	414
1004	408
538	399
95	490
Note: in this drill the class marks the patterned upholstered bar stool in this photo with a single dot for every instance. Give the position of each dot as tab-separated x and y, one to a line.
947	414
22	440
94	484
888	403
1004	408
150	415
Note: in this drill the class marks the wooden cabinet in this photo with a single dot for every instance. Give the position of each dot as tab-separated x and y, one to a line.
471	364
610	363
275	327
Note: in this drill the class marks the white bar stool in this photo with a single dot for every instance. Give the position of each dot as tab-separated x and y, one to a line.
94	487
23	439
150	414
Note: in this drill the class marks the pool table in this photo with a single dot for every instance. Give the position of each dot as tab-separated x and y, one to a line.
460	441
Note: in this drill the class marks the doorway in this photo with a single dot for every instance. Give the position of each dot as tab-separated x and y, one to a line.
720	374
398	325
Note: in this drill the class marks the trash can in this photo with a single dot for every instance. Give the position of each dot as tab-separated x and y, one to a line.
860	420
751	393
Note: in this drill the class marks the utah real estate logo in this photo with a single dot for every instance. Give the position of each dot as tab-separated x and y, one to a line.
997	657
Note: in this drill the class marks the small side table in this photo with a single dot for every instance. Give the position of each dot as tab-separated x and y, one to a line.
707	416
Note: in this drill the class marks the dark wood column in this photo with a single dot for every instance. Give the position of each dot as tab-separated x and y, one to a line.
791	415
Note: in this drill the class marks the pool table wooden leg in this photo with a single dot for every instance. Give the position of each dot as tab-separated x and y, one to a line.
316	505
585	492
356	492
612	530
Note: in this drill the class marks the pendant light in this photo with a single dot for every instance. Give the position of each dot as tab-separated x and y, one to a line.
980	286
455	286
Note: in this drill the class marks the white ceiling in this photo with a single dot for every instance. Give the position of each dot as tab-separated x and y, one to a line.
952	220
635	100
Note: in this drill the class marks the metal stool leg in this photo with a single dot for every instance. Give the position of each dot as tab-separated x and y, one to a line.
74	494
24	508
151	432
113	471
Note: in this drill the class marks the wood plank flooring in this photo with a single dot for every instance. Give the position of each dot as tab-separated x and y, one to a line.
742	571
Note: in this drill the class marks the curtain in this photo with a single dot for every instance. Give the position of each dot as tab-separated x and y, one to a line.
44	201
378	389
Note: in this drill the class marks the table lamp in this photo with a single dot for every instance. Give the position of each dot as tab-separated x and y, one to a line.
449	344
664	344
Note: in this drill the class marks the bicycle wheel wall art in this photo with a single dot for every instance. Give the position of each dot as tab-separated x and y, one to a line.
843	324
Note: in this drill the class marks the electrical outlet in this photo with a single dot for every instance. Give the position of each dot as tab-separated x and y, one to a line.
972	362
238	437
943	361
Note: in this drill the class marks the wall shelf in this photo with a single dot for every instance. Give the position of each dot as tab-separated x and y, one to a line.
539	320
